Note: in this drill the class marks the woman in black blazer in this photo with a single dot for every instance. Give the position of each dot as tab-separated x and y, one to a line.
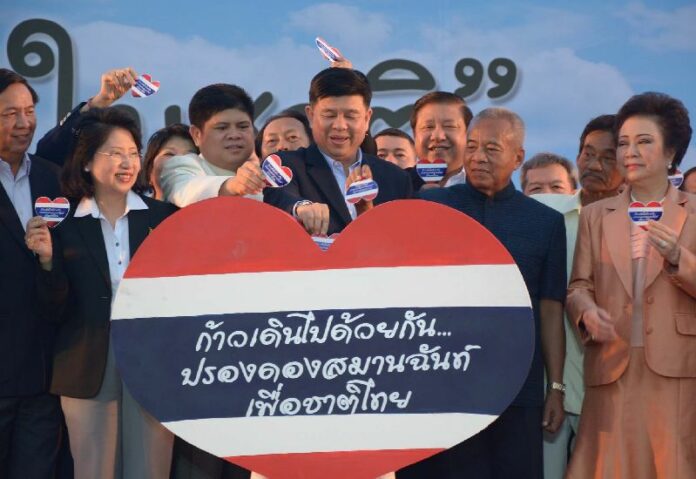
110	435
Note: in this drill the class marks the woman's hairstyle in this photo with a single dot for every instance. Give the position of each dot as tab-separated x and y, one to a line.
295	115
672	118
91	132
157	141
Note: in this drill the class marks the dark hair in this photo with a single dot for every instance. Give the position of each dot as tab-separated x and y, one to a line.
395	132
339	82
672	119
9	77
215	98
541	160
295	115
157	141
600	123
91	132
441	97
688	173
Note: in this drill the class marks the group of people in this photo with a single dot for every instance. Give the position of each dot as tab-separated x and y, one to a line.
612	379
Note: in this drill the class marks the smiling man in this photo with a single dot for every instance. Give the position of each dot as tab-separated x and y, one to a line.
534	235
30	417
222	128
339	112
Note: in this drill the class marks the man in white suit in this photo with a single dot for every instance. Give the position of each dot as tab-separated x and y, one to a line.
222	127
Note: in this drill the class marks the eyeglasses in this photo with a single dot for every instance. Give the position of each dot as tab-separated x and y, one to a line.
118	155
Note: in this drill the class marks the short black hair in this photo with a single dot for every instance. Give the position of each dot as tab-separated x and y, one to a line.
441	97
9	77
599	123
157	141
91	132
339	82
215	98
541	160
295	115
395	132
672	119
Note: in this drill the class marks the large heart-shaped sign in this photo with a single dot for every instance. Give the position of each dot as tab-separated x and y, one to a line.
412	333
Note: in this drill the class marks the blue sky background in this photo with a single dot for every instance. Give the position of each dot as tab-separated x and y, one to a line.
577	60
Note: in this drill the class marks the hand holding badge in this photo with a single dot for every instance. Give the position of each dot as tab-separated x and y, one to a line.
431	171
361	189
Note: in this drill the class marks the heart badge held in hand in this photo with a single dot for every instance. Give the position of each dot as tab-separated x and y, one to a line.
144	86
362	190
276	174
52	211
431	171
256	346
641	213
329	52
676	179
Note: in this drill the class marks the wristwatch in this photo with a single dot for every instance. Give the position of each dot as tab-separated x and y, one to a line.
298	204
558	387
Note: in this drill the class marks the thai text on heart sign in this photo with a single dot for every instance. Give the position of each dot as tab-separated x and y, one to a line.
252	349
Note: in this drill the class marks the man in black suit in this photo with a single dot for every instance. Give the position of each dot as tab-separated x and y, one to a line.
339	112
29	417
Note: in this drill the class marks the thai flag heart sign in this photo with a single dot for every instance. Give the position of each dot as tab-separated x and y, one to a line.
52	211
641	213
144	86
431	171
298	363
276	174
366	189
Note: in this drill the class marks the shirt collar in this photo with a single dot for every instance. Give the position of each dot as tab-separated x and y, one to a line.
24	167
336	164
89	206
504	194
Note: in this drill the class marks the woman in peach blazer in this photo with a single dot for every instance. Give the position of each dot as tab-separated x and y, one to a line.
632	297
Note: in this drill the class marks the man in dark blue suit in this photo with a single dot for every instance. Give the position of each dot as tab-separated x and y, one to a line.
339	112
30	418
534	235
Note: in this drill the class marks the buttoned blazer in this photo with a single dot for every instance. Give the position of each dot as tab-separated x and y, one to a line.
80	259
25	330
602	276
313	180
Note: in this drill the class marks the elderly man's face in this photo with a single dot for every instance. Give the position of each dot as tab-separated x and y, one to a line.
493	153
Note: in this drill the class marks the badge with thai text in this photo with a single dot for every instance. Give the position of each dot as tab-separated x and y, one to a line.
362	190
276	174
641	213
431	171
329	52
52	211
144	86
677	179
324	242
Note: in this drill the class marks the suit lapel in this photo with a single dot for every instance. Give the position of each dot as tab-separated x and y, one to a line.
319	171
673	216
138	228
616	228
8	216
90	230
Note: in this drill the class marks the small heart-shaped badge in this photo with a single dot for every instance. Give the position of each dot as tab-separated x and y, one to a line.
52	211
362	190
144	86
329	52
276	174
324	242
676	179
431	171
641	213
